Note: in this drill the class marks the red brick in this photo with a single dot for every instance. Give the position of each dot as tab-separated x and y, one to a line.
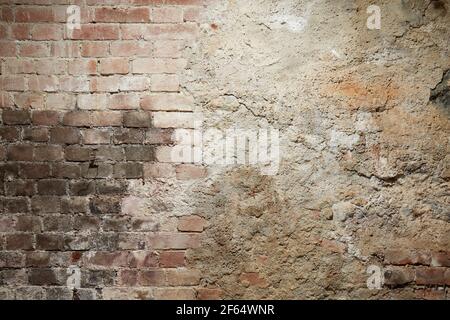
173	241
432	276
143	259
47	32
43	83
113	66
74	84
8	49
36	134
131	48
128	278
96	32
45	118
12	83
398	276
167	102
94	49
172	259
191	224
209	294
107	259
21	31
34	14
60	101
253	279
108	14
33	100
124	101
105	84
31	49
405	257
65	49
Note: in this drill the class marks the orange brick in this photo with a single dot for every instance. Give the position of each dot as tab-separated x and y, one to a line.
172	259
131	48
109	14
94	49
95	32
34	14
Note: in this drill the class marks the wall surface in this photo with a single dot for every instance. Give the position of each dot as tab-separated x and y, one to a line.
99	198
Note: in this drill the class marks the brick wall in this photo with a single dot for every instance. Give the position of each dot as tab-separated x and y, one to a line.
84	114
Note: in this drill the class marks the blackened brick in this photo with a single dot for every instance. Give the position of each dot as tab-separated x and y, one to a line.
49	242
20	153
45	204
81	188
79	154
140	153
9	134
42	277
48	153
130	170
111	187
128	136
20	241
66	170
36	134
16	205
137	119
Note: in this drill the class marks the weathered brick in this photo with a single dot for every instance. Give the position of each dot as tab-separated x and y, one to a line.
440	259
60	223
128	277
19	188
96	32
168	48
105	153
49	242
25	100
29	224
94	49
20	153
183	277
81	188
20	241
124	101
137	119
34	170
152	278
45	204
190	172
64	135
172	259
77	119
36	134
45	118
159	170
174	294
128	170
15	117
48	153
106	118
96	136
9	134
131	48
128	136
66	170
398	276
42	277
109	14
92	101
104	205
113	66
78	154
139	153
37	259
175	120
173	240
108	259
52	187
209	294
191	224
158	66
167	102
432	276
405	257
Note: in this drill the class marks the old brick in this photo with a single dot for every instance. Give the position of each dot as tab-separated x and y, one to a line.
105	153
167	102
159	170
431	276
108	259
131	48
405	257
61	223
97	278
190	172
15	117
11	259
64	135
128	136
136	119
108	14
42	277
174	294
48	153
209	294
152	278
398	276
106	118
29	224
72	205
167	15
174	120
34	170
191	224
143	259
183	277
96	136
77	119
20	152
19	188
172	259
113	66
36	134
111	187
49	242
9	134
66	170
440	259
95	170
123	101
81	188
37	259
128	277
96	32
85	223
52	187
253	279
15	205
45	204
20	241
78	154
104	205
45	118
173	240
94	49
139	153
